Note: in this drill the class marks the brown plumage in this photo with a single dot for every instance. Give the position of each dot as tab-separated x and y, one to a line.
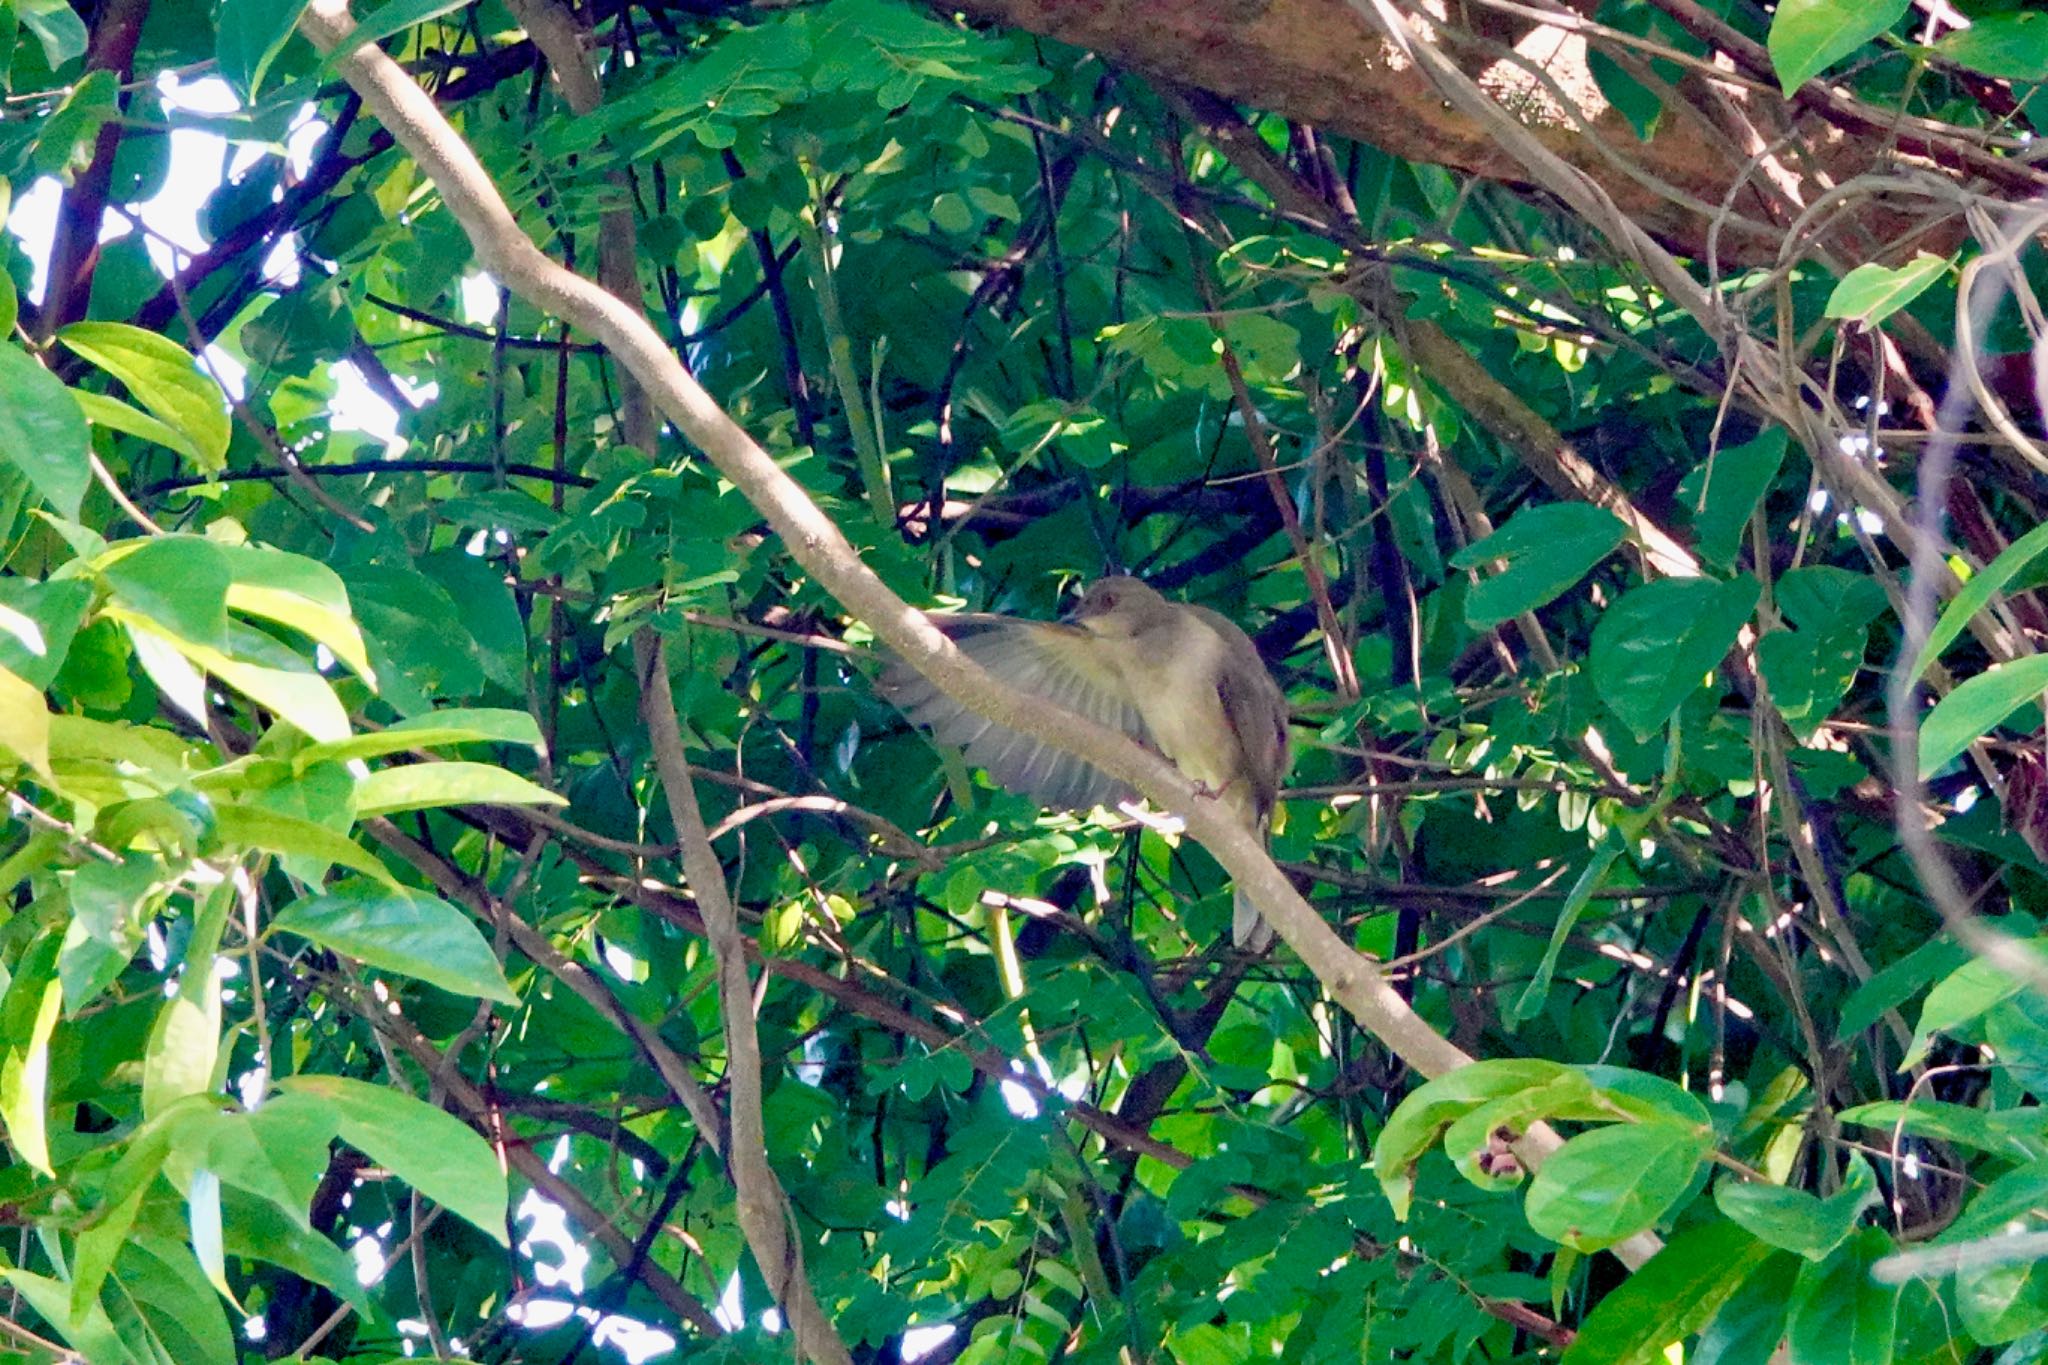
1181	678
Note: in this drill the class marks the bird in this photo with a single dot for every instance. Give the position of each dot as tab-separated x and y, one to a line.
1181	678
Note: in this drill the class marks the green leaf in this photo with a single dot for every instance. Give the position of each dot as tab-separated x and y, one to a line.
1898	983
1871	292
298	695
276	1153
1546	548
1670	1297
65	142
259	1230
249	35
56	26
395	16
2003	1301
1414	1125
24	723
163	377
301	593
184	1044
1747	1330
2014	560
420	786
38	622
1808	36
415	633
400	930
450	725
2019	1196
1809	670
1839	1314
1977	707
165	1282
2020	1134
1820	597
1962	996
1651	649
179	582
28	1017
246	827
950	213
1724	490
115	415
91	1331
430	1150
1605	1186
1793	1220
42	432
2011	46
106	1229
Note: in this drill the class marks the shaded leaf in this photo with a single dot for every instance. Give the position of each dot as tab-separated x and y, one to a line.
399	930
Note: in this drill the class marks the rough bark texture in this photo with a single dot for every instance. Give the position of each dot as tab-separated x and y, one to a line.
1315	61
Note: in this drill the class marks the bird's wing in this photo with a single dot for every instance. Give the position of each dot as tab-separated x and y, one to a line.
1054	662
1256	711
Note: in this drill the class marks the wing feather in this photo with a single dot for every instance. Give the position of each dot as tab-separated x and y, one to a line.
1053	662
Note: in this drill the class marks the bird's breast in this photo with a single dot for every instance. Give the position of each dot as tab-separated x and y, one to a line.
1174	685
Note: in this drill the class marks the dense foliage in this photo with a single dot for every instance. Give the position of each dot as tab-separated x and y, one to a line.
355	1004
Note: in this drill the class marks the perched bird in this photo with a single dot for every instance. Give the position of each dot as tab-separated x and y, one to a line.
1183	679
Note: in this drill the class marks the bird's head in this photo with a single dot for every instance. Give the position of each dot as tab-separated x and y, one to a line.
1119	606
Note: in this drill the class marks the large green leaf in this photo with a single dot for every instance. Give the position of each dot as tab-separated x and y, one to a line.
1545	550
1726	488
179	582
1840	1314
442	1158
1808	36
2011	45
421	786
1871	292
252	33
1419	1119
301	593
450	725
164	379
1605	1186
28	1017
399	930
42	432
1653	648
91	1331
1794	1220
1673	1295
298	695
1977	707
243	827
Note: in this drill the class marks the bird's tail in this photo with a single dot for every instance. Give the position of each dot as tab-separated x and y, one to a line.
1248	928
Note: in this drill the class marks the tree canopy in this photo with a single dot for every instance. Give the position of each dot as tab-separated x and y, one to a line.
461	477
